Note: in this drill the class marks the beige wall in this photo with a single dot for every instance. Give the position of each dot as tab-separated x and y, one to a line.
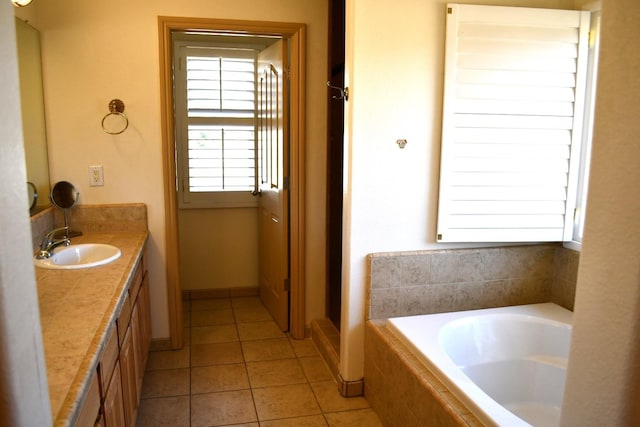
603	379
24	399
96	51
218	248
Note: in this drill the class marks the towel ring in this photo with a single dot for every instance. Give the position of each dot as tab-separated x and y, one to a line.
115	114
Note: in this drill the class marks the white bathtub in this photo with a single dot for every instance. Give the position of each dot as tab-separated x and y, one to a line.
507	365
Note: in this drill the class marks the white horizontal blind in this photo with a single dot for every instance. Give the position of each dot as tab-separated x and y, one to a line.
219	86
511	123
220	110
221	158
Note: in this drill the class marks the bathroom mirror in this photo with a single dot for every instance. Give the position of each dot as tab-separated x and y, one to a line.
32	196
33	118
64	196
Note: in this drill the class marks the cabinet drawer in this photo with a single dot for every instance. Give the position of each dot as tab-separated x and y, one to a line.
108	361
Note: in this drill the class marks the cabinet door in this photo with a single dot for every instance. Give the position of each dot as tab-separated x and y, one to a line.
113	403
144	304
91	407
129	378
136	344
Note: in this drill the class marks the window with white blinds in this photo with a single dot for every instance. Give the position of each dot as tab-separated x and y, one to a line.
512	123
215	125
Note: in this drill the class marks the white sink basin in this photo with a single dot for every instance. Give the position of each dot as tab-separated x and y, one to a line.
84	255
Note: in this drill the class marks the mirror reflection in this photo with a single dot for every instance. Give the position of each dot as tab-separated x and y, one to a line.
32	196
64	196
33	118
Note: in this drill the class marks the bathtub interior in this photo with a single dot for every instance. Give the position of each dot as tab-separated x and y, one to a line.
508	365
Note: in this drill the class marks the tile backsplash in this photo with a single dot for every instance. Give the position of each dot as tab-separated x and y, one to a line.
41	224
422	282
91	219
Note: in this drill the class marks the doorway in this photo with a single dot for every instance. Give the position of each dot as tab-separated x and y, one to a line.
294	34
335	154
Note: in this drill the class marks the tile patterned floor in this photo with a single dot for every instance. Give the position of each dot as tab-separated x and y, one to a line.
238	369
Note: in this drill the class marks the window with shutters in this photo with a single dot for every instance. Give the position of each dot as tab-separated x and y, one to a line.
513	123
215	99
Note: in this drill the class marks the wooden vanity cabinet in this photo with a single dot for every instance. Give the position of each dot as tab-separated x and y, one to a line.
115	389
134	344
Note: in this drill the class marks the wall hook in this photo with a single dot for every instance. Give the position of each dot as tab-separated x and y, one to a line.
344	93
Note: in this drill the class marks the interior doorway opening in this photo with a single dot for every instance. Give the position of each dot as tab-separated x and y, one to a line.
335	163
230	116
294	35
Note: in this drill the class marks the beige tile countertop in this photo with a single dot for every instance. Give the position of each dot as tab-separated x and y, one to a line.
77	310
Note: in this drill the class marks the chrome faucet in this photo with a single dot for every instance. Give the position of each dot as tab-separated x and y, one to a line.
49	242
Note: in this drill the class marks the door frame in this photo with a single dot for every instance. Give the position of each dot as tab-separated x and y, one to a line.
296	34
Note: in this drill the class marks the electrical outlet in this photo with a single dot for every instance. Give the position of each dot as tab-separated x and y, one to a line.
96	176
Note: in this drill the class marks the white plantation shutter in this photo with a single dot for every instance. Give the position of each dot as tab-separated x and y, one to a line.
512	120
215	111
221	158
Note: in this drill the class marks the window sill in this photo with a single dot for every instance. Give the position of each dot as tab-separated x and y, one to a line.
576	246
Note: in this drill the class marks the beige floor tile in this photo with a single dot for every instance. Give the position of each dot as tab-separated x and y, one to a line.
310	421
165	383
275	372
272	349
211	379
304	348
210	304
259	330
251	314
215	409
285	402
230	346
213	334
186	319
244	425
246	302
331	401
356	418
315	369
186	337
166	411
212	317
216	353
171	359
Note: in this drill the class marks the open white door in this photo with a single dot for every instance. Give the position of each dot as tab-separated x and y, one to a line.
273	173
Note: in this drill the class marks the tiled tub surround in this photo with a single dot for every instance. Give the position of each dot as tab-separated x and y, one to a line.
423	282
401	389
398	386
565	277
